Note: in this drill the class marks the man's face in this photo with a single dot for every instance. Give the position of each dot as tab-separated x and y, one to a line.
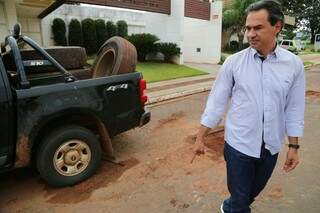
260	33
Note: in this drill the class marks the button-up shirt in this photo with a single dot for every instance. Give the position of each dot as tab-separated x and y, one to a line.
267	100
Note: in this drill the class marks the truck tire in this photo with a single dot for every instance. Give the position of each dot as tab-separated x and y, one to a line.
116	56
68	155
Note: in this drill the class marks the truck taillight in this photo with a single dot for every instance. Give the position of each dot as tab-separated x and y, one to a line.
143	87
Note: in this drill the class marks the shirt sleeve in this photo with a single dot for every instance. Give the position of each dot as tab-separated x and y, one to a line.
294	110
219	96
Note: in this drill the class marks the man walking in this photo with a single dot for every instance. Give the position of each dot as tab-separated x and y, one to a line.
266	87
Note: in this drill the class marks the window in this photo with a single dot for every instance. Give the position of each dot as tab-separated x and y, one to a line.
285	43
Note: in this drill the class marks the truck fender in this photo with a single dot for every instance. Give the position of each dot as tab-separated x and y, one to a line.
26	144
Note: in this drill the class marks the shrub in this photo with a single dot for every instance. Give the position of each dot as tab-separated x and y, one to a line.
122	29
234	45
89	35
111	29
144	43
245	45
168	50
59	32
101	31
75	33
222	59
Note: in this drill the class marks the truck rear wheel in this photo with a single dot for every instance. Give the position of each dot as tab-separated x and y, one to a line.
68	155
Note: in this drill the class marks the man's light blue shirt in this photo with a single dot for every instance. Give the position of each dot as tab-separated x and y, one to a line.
267	100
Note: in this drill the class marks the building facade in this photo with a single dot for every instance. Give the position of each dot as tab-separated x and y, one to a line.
26	13
194	25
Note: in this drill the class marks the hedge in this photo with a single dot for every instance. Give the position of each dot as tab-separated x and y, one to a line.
101	32
144	43
122	29
89	35
111	29
59	32
75	33
168	50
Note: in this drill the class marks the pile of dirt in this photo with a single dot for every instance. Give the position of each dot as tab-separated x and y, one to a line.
172	118
107	174
313	95
275	193
159	168
214	143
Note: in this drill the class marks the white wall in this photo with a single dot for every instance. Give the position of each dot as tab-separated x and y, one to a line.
11	13
205	35
3	23
8	17
169	28
188	33
31	27
135	19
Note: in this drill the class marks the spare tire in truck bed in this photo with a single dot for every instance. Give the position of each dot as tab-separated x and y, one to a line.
116	56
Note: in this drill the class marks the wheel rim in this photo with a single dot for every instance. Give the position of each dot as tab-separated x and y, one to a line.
72	158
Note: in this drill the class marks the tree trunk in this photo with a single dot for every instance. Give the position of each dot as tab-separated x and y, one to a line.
240	37
312	35
226	35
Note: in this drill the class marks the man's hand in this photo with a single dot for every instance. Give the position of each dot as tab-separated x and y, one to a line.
199	147
292	160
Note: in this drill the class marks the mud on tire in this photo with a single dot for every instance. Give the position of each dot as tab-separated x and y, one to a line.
68	155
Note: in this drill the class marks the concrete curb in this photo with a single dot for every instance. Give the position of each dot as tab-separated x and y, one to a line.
158	99
311	65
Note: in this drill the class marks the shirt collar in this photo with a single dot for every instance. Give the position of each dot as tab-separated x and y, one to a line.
275	53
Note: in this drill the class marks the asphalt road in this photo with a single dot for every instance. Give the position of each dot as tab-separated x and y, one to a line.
157	175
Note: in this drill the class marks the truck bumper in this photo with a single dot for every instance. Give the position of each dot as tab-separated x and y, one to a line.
145	118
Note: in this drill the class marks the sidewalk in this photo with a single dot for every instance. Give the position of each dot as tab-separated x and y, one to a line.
166	90
314	58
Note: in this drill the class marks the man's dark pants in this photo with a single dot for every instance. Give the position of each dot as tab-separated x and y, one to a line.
246	177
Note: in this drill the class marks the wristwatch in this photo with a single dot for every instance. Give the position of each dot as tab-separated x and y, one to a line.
295	146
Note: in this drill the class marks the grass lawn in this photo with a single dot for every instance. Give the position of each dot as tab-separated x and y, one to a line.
305	63
154	72
309	50
91	59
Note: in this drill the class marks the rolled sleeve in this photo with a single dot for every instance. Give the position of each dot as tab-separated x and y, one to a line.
219	96
295	105
210	120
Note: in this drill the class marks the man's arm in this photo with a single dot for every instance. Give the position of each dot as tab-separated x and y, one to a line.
217	101
294	113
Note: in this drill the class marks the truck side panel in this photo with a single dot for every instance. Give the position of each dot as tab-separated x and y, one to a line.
114	100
